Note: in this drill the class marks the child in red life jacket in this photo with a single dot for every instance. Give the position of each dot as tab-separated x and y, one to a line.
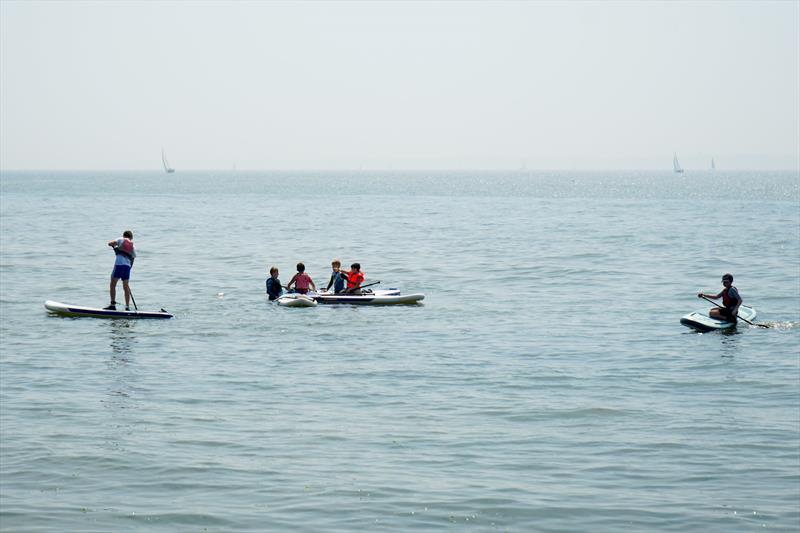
731	300
126	253
354	279
301	280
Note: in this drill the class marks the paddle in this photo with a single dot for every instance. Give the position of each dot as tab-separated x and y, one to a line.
349	291
133	300
737	315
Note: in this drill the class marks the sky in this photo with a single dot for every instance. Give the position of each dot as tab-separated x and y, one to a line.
413	85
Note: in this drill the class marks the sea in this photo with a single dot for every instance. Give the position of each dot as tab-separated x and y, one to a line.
545	383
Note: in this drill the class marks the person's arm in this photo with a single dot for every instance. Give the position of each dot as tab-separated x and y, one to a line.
702	294
288	285
311	282
330	281
113	243
738	303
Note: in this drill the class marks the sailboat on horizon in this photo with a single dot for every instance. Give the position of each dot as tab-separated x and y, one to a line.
675	165
713	166
168	169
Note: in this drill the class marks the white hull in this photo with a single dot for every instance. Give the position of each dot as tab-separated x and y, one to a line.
379	297
700	320
80	311
295	300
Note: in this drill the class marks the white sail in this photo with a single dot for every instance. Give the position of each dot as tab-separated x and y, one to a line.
168	169
675	165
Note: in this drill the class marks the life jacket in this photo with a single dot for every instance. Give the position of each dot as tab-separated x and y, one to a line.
125	249
354	279
338	281
727	300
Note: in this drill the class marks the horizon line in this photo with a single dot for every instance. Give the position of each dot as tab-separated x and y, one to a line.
408	169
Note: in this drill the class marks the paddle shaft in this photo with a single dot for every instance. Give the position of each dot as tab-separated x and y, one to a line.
361	287
737	314
132	298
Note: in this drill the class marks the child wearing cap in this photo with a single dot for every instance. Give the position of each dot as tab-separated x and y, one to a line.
731	300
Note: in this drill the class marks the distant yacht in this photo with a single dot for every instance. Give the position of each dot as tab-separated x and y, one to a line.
713	166
675	165
168	169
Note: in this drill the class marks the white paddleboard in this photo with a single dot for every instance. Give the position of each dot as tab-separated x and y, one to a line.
378	297
78	311
700	320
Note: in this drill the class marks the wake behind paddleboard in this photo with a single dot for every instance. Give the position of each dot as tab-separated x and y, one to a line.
700	320
77	311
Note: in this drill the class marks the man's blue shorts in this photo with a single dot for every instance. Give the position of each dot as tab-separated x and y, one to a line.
121	272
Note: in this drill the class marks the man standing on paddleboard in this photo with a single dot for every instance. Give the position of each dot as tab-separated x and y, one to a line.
730	299
126	253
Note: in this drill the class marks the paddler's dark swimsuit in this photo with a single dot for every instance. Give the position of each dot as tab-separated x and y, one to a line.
730	299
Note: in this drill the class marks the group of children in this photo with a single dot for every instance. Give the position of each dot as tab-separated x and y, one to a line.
302	282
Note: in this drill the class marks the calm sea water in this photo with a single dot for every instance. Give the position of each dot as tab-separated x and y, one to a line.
545	384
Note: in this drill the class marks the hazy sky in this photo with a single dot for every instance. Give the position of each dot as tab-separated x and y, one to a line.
339	85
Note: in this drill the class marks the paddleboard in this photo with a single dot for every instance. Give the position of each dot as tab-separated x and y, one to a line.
296	300
379	297
77	311
700	320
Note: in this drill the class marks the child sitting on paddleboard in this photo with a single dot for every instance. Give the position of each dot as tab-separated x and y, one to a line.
274	289
338	277
354	279
301	280
731	300
126	253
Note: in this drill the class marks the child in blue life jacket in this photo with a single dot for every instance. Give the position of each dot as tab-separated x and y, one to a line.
338	278
126	253
274	289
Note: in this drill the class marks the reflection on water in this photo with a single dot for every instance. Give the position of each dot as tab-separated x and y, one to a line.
123	339
730	344
121	378
120	370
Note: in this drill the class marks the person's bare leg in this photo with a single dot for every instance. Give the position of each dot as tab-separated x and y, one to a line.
717	313
112	289
127	293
